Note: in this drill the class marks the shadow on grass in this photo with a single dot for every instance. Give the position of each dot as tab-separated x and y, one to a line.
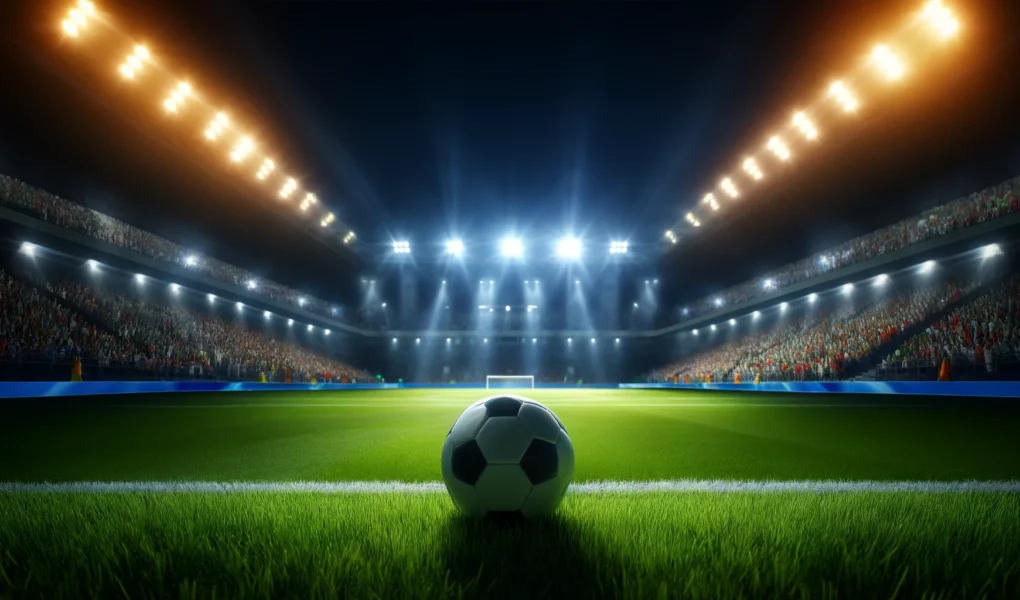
512	557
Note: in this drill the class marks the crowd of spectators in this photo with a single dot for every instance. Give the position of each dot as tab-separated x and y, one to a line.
58	321
821	347
34	326
978	335
69	215
991	203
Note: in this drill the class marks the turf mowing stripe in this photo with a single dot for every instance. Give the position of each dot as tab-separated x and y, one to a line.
719	486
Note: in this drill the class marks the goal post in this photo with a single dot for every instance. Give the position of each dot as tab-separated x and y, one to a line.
506	382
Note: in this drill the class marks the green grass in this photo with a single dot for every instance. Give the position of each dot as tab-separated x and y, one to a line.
626	435
696	545
183	545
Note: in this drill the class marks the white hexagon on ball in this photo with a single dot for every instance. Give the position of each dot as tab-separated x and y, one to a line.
507	454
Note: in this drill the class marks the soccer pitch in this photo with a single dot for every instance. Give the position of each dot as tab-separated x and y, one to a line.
326	494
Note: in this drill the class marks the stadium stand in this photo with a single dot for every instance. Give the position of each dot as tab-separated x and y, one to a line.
830	345
980	339
991	203
126	336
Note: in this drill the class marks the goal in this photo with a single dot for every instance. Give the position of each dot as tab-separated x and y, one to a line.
504	382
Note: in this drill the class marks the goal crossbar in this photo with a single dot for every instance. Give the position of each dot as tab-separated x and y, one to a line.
509	381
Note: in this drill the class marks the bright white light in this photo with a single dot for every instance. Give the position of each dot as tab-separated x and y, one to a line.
507	308
455	247
394	340
843	96
266	314
491	310
251	284
402	247
635	305
712	327
927	266
671	237
769	284
881	280
692	220
310	327
175	288
812	297
239	306
618	247
327	332
534	340
139	278
887	62
570	340
804	124
511	247
694	331
384	305
710	200
577	282
728	187
733	322
491	282
616	341
751	168
28	249
941	18
417	340
93	265
784	306
301	301
569	248
290	322
447	340
444	282
755	314
190	261
718	302
211	298
848	288
991	250
485	340
593	340
777	147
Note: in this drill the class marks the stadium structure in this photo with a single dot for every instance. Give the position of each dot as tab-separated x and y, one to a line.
511	411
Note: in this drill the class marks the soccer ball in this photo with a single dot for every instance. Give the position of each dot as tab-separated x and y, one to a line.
507	454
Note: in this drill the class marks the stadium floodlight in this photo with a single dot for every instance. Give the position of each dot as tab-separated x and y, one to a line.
733	322
28	249
694	331
881	280
301	301
534	340
635	305
686	311
727	185
491	309
670	236
142	52
211	298
712	326
718	302
647	281
616	341
655	282
70	27
485	340
618	247
756	314
310	327
251	284
310	200
455	248
290	322
569	248
417	340
175	288
692	220
769	284
139	278
812	297
927	266
491	282
239	306
843	96
384	305
190	261
804	124
570	340
784	306
751	168
93	265
511	247
887	62
532	307
394	340
848	288
710	200
777	147
447	340
941	18
267	314
327	331
991	250
507	308
242	149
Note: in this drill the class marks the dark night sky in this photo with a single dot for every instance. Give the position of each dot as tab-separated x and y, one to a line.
419	121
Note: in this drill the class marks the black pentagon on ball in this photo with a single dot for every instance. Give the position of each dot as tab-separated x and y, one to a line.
540	461
468	462
504	406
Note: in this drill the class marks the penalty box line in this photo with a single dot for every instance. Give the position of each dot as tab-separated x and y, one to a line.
717	486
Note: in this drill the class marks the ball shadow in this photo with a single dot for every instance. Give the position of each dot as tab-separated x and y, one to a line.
507	556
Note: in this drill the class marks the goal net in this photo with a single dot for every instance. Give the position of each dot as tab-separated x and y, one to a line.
504	382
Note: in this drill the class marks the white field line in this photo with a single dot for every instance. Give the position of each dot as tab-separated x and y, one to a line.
550	404
682	486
